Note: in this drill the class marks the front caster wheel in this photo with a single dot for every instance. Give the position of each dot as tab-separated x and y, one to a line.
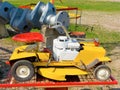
102	72
23	70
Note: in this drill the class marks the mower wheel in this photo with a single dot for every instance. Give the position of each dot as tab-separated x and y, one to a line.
102	72
23	70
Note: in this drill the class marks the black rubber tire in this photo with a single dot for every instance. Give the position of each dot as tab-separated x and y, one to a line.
19	64
99	68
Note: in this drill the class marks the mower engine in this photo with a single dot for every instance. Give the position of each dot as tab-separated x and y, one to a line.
65	48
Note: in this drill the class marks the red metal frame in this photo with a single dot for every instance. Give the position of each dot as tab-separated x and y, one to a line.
67	8
59	84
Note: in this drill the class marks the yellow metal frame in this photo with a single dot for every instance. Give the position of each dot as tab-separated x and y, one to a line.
20	53
60	73
87	58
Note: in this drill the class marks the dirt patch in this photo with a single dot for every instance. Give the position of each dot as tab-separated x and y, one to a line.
108	20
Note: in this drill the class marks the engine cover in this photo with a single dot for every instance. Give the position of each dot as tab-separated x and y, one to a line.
65	48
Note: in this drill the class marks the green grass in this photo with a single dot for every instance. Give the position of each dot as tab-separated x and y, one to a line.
95	5
24	2
82	4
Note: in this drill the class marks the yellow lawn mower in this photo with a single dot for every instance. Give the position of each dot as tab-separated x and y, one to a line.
68	57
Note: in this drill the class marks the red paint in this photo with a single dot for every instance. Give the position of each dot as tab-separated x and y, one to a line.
96	43
7	62
25	7
59	84
67	8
